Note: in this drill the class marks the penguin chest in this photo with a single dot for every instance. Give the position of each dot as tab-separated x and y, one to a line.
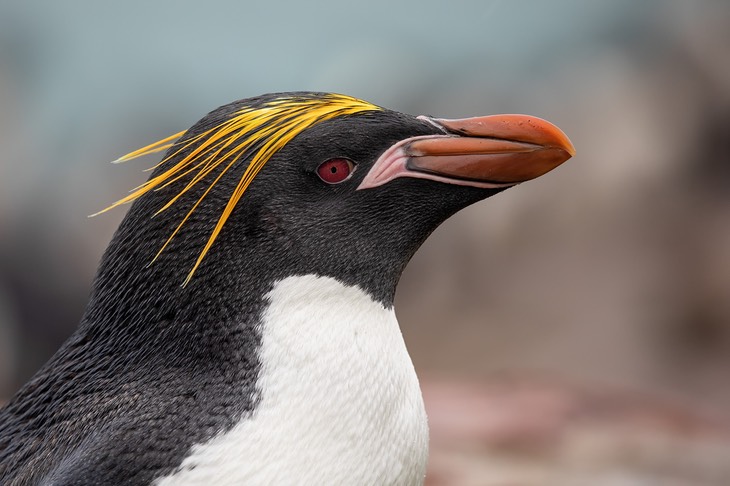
338	403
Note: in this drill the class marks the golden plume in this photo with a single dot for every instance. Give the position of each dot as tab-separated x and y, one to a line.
260	130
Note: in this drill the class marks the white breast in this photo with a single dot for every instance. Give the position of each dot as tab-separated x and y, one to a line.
339	399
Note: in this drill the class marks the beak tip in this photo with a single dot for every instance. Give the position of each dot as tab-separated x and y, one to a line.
566	144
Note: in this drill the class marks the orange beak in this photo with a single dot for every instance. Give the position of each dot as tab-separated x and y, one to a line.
489	151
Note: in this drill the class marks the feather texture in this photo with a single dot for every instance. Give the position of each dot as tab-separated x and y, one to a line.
258	131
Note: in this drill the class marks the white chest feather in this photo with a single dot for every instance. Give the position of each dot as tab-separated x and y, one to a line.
339	399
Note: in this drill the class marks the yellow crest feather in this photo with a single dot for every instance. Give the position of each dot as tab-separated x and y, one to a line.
269	127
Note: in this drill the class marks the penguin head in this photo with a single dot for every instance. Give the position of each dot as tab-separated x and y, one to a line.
344	189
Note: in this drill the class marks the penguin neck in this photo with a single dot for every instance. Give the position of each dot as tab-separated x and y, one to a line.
132	297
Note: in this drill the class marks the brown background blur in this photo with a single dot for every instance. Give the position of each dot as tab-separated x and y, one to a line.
606	281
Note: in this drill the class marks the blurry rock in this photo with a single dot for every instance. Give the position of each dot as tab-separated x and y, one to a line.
532	432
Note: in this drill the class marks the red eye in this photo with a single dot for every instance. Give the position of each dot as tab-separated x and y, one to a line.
334	171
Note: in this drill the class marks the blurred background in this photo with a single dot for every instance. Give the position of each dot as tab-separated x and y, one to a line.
573	330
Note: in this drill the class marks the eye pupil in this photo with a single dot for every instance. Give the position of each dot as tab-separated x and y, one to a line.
334	171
